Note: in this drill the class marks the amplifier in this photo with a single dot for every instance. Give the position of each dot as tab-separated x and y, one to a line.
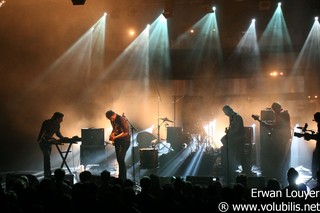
92	136
92	155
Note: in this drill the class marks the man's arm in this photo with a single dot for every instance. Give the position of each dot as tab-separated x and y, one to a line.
41	132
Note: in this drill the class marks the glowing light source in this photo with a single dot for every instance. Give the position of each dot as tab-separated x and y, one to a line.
2	3
131	32
276	73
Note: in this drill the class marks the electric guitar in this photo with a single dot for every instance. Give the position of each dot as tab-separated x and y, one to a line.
257	118
109	143
224	139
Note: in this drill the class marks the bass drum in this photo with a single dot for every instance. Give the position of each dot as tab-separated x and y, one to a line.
145	139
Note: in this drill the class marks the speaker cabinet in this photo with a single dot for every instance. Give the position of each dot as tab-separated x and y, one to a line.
175	137
148	158
267	115
93	155
92	136
249	134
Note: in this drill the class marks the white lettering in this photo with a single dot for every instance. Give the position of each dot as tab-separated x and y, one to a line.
255	193
301	194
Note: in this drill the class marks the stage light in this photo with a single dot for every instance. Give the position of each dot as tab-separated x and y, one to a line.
167	14
208	8
2	3
168	9
78	2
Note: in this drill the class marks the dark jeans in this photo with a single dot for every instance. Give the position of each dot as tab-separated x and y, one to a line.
121	148
315	163
46	151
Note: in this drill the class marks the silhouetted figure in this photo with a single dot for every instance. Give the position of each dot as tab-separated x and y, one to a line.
62	186
234	144
279	143
145	200
292	177
84	193
156	187
49	128
317	187
273	184
315	165
120	136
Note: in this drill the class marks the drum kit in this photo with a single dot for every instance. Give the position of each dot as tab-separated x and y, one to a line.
149	140
176	137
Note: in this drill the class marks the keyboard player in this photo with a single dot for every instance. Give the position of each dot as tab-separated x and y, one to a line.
49	129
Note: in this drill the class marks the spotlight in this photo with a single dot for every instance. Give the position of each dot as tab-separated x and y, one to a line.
168	9
78	2
208	8
167	14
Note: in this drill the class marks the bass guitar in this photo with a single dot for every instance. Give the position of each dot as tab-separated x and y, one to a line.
257	118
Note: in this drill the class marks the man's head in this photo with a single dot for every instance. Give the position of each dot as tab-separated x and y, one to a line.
227	110
316	117
292	175
276	107
58	116
111	115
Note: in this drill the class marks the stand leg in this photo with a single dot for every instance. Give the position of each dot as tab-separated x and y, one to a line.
64	157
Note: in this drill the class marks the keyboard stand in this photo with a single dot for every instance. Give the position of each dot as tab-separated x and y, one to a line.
64	155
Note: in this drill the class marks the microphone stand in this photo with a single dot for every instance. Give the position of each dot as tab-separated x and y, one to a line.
132	148
175	100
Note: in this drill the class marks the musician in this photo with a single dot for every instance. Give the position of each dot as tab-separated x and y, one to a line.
49	128
315	165
279	142
234	143
120	136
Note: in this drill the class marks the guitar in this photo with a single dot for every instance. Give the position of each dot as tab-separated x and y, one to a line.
257	118
224	139
109	143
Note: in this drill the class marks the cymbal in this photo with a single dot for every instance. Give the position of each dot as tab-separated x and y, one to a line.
166	120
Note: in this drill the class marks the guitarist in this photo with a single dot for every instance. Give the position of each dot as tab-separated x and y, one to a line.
121	140
233	143
280	142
